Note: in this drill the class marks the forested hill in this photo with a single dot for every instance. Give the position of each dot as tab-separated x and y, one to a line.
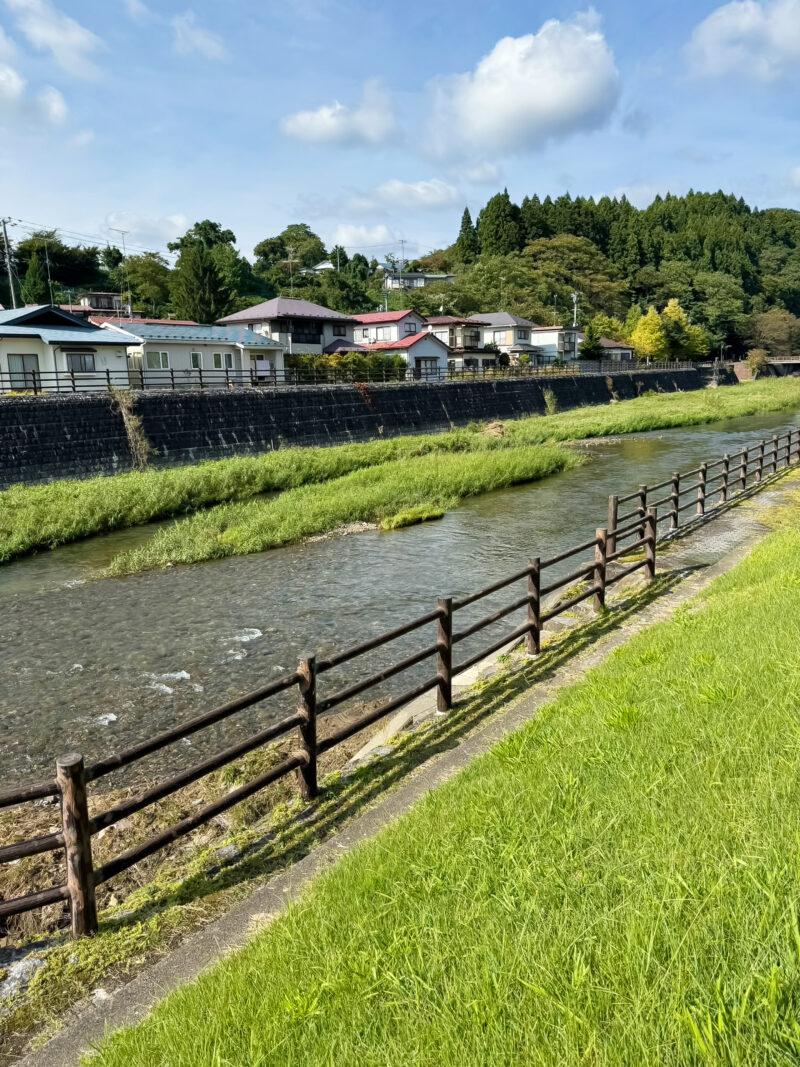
722	260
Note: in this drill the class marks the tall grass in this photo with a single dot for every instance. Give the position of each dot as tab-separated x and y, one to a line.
37	517
394	494
617	883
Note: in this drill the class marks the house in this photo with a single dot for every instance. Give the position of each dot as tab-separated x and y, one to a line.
320	268
413	279
387	326
104	303
614	351
506	332
299	325
166	353
551	343
45	348
425	354
464	338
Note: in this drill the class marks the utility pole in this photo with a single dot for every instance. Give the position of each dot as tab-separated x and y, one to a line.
291	260
124	278
8	262
337	259
49	279
555	309
575	310
402	254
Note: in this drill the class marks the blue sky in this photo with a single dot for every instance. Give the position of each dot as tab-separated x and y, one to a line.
376	122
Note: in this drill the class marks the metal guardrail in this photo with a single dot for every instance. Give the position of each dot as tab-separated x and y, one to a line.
698	492
47	382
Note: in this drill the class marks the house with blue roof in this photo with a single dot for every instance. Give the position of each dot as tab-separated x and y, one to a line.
44	349
195	355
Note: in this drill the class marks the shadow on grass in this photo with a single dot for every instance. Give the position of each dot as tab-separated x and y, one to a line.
344	798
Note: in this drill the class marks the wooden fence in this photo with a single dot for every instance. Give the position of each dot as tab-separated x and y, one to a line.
695	494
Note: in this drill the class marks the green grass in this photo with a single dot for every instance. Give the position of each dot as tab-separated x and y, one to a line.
617	883
393	494
42	517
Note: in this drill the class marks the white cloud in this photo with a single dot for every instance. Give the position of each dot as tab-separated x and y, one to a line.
350	236
481	173
82	138
371	123
7	47
529	90
757	39
427	195
137	11
794	177
191	38
145	231
16	105
71	45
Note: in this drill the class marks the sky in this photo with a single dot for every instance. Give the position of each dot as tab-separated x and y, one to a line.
377	123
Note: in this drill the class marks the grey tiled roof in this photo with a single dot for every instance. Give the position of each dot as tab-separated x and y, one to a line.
282	307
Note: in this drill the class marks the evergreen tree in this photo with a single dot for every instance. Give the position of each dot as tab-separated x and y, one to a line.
467	244
35	289
198	290
590	346
498	226
675	324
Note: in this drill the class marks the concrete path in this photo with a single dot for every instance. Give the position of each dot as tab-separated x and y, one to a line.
710	551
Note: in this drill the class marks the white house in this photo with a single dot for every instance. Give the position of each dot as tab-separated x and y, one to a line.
506	332
550	343
165	353
387	326
413	279
299	325
464	338
43	348
426	355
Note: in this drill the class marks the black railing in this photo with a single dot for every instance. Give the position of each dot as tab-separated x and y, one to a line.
45	382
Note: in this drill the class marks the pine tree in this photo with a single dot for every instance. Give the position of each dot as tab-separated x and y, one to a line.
498	226
198	291
590	346
35	288
467	244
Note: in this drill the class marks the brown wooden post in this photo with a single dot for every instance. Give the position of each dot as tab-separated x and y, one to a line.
71	779
743	470
600	565
611	527
675	501
726	469
650	545
642	507
533	639
444	645
760	461
172	378
108	379
702	478
774	464
307	773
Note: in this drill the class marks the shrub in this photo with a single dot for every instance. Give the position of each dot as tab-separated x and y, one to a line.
757	360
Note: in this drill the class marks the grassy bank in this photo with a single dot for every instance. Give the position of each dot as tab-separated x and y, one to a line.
617	883
393	494
39	517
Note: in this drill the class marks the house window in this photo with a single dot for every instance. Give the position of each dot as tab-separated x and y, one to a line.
158	360
382	333
340	331
197	360
499	337
411	327
223	360
80	362
365	335
523	335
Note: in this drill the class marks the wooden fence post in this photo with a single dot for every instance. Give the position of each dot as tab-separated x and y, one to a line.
71	778
641	507
702	478
726	468
743	469
650	545
600	565
760	467
774	464
444	644
675	501
307	774
533	638
611	527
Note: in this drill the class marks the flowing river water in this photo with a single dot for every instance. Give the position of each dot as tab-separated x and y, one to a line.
94	665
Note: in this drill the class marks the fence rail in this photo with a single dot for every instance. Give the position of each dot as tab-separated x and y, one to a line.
46	382
618	543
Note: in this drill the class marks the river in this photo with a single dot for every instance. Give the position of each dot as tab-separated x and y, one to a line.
93	665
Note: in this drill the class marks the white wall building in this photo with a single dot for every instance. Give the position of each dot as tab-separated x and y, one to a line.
413	279
387	326
300	326
426	355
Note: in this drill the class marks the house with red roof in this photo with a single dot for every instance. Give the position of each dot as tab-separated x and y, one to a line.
426	355
387	326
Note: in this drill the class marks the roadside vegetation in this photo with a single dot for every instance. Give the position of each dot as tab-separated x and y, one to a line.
615	883
42	517
393	495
